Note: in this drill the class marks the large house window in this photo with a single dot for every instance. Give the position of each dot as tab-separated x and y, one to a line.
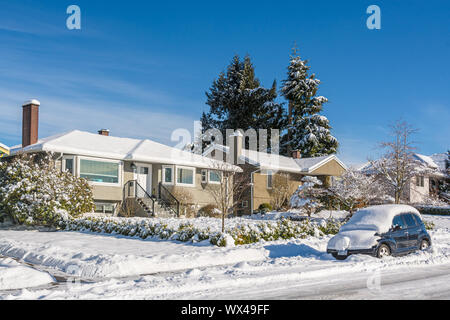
99	171
420	181
168	174
215	176
185	176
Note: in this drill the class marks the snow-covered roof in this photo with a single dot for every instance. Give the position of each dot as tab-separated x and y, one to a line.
424	163
269	161
96	145
440	160
426	160
377	218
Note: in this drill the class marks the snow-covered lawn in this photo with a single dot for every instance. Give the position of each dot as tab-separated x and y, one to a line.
125	268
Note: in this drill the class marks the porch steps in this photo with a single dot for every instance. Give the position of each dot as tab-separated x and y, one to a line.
160	212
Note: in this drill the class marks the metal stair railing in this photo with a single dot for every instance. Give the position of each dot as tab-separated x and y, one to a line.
132	189
167	200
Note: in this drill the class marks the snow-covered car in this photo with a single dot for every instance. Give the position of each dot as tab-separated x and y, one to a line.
381	231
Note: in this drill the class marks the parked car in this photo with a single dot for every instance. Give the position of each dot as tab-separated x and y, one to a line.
381	231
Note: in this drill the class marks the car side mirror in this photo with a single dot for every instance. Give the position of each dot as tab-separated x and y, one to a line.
396	228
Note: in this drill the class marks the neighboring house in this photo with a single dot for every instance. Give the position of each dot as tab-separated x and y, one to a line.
123	170
259	169
4	150
424	184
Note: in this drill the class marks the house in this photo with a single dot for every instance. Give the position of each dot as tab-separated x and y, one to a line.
259	168
124	171
425	183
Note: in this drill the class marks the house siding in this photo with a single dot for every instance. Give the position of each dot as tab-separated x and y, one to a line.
198	193
331	168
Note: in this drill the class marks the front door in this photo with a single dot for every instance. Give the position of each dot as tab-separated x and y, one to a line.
144	177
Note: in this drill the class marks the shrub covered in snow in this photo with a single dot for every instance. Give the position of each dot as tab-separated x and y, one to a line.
241	233
308	195
33	191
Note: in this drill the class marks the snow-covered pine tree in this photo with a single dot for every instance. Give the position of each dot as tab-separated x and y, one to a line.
308	131
238	101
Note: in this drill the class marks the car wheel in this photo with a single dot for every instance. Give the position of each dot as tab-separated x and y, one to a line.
424	245
337	257
383	251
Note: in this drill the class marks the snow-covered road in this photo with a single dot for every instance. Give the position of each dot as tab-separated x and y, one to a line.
289	269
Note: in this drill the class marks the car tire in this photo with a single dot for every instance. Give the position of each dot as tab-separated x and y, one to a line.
383	251
337	257
424	245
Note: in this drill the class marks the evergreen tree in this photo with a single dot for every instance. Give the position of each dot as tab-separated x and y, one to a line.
308	131
238	101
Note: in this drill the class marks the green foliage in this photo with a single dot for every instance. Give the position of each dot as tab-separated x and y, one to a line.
34	192
210	210
429	225
265	207
237	100
308	131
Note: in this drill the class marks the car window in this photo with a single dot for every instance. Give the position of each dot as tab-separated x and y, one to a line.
398	221
410	221
418	220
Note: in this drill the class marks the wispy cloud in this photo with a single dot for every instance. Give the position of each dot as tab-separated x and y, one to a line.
60	115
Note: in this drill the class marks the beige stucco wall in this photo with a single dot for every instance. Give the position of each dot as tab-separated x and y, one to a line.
331	168
199	194
261	194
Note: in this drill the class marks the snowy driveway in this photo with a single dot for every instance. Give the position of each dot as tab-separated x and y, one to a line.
292	269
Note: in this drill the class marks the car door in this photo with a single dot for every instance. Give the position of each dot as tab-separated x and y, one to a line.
413	230
399	233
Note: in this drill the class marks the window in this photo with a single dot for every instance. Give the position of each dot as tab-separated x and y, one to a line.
106	208
420	181
269	179
244	204
204	176
215	176
398	221
167	175
185	176
99	171
68	165
410	222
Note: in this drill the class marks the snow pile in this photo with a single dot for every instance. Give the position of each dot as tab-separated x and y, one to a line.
13	275
377	218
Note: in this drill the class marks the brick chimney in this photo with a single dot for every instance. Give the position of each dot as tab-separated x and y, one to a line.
296	154
103	132
30	122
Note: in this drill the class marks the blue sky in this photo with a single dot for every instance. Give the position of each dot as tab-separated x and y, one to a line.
141	68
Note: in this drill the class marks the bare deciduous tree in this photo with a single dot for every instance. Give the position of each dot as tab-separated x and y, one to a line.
398	165
281	190
229	192
355	188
